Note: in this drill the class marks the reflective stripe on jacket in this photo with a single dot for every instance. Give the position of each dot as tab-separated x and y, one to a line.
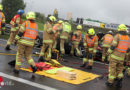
31	30
108	39
89	41
124	42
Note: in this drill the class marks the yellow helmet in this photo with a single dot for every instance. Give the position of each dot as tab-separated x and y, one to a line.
60	21
79	27
122	27
1	7
31	15
52	18
91	31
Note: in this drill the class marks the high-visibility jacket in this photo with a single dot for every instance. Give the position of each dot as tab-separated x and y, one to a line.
108	38
31	31
1	18
74	38
124	42
13	21
89	41
66	27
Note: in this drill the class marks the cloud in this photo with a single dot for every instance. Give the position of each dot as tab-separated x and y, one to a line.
111	11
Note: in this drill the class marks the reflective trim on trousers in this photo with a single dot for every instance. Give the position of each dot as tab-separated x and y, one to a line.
120	75
30	43
84	60
111	77
30	61
116	57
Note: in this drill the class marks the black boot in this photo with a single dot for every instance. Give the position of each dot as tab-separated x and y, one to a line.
62	57
83	65
8	47
119	83
41	59
16	71
109	84
34	68
89	67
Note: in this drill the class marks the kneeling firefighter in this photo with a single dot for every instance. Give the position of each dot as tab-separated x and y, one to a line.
90	44
26	39
117	53
76	38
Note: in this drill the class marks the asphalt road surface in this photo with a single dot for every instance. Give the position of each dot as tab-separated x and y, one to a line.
30	81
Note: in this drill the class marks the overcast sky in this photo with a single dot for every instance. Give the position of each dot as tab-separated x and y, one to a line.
112	11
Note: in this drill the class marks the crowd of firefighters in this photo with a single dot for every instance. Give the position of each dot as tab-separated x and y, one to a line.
24	34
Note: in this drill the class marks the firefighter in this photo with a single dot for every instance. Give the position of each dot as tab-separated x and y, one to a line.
47	38
64	36
90	44
117	52
58	28
2	20
15	25
128	64
76	40
26	39
107	40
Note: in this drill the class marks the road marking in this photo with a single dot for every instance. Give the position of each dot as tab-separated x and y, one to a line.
27	82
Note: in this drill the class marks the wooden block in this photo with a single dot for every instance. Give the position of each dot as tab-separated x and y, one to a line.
66	74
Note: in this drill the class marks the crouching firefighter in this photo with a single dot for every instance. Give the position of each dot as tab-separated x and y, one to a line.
47	39
26	39
90	44
76	40
117	52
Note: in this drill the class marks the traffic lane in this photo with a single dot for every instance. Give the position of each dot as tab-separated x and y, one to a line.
92	85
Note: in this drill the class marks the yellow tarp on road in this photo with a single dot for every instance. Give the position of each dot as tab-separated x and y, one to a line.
82	76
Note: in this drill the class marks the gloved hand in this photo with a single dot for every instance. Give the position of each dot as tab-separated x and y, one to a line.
3	25
16	25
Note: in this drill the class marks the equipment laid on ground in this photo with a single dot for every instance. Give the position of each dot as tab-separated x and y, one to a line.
66	74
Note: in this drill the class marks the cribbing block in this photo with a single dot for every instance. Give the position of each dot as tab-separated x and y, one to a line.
66	74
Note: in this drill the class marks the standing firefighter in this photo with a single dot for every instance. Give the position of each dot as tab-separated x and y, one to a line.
26	40
15	25
64	36
107	40
90	44
58	28
76	40
47	38
2	20
117	52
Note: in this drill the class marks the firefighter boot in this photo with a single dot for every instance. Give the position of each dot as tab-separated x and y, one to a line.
8	47
34	68
83	65
41	59
109	84
119	83
89	67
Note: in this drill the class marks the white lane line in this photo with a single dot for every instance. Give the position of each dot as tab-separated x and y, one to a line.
27	82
